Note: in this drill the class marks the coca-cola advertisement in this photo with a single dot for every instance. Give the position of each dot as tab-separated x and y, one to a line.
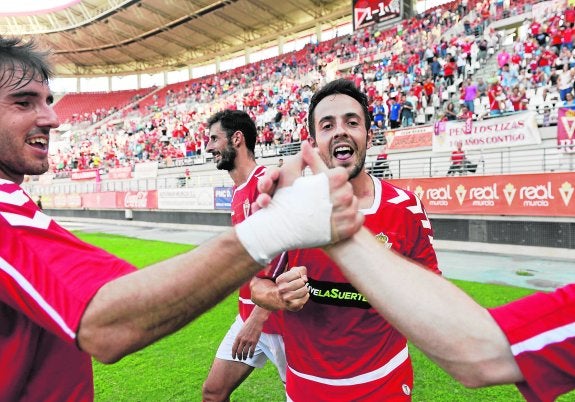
137	199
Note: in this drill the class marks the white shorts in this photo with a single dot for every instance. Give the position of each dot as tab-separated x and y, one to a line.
270	346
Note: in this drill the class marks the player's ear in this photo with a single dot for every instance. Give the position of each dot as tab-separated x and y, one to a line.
311	141
237	138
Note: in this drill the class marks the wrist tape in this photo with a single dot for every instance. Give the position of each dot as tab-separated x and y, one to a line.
298	216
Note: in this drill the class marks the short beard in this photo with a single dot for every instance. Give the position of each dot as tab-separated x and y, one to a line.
356	170
227	160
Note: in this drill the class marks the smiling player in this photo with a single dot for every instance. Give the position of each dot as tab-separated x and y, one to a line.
338	347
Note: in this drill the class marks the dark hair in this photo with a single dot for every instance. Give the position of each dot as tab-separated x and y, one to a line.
236	120
19	57
343	87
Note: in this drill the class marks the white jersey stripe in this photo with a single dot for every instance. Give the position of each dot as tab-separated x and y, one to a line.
39	221
18	198
245	301
29	288
381	372
544	339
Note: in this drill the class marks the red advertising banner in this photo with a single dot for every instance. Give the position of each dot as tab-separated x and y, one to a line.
72	200
410	138
120	173
137	199
121	200
543	194
565	129
99	200
87	174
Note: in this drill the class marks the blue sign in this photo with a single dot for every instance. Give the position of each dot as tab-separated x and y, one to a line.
223	198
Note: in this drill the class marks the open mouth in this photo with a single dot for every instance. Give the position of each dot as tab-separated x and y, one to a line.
38	142
343	152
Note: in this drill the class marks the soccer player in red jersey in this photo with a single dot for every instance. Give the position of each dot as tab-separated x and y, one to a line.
338	347
63	301
254	337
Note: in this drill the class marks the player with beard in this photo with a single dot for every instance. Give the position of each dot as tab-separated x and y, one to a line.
254	337
338	347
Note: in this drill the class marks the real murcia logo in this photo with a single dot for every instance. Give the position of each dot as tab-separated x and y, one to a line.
566	191
406	389
460	192
419	192
382	237
509	193
246	206
569	124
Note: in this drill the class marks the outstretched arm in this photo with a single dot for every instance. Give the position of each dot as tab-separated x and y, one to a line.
439	318
135	310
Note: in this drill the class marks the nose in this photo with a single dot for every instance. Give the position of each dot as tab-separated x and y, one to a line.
210	146
47	117
341	130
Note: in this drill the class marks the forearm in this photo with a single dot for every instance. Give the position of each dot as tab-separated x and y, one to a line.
259	314
439	318
135	310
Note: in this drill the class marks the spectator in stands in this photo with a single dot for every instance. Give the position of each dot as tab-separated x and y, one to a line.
518	99
565	82
394	113
429	90
503	58
450	113
379	112
469	95
496	98
482	87
435	69
508	77
482	47
449	70
569	100
457	160
464	113
407	109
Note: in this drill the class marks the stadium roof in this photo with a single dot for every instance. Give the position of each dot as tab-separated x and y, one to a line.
101	37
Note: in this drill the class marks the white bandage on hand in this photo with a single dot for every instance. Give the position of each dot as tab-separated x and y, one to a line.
298	216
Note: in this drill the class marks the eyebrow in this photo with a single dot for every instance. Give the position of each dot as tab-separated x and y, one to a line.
34	94
346	115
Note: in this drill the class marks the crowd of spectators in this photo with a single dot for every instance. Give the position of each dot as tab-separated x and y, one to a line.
415	72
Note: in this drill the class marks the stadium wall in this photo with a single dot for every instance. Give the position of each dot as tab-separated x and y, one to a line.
553	232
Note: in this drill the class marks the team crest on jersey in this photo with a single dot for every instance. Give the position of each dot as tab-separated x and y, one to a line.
382	237
406	389
246	206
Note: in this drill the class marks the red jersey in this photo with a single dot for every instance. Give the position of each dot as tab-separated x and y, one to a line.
338	347
48	278
243	197
457	157
541	332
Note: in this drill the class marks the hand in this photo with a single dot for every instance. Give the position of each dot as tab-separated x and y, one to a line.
292	288
247	339
345	216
